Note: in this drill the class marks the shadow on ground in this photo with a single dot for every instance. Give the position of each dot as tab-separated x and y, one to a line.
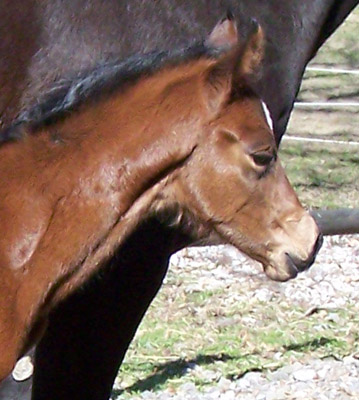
180	367
172	369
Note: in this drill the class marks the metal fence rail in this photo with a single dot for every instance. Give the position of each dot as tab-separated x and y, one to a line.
342	221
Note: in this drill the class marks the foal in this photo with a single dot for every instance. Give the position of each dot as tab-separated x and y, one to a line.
181	136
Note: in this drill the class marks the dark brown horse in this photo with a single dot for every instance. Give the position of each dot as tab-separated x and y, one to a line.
44	42
189	144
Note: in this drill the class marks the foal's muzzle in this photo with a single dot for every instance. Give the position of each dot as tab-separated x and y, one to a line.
296	265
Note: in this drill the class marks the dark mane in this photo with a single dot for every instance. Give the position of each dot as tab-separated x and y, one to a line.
67	95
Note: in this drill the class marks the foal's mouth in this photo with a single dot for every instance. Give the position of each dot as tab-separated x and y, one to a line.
292	265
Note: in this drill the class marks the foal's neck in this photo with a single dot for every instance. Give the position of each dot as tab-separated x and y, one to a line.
97	180
137	135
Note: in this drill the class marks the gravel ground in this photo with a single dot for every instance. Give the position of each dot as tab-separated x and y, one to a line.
332	282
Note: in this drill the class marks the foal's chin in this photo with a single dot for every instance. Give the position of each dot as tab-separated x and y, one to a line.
281	273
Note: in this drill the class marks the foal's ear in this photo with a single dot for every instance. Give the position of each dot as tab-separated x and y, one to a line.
219	77
240	61
253	52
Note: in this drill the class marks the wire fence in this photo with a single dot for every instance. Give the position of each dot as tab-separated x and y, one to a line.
325	141
334	70
320	105
334	221
326	104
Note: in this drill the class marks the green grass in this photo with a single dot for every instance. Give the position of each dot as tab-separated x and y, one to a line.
322	177
227	339
342	48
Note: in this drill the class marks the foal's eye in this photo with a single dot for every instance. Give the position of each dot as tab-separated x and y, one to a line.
263	158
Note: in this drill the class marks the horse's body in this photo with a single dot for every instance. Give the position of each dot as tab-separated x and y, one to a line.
189	144
45	42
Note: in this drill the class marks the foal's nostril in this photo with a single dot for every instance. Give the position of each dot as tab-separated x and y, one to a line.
302	265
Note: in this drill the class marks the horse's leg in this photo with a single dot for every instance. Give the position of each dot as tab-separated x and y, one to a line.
88	335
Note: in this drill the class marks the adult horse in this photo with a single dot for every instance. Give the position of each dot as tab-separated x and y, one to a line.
46	41
177	135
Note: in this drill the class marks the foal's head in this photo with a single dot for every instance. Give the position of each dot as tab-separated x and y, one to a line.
233	184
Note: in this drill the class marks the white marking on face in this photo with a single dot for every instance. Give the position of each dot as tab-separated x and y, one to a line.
267	114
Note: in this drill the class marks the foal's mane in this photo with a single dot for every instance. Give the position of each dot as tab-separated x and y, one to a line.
90	86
